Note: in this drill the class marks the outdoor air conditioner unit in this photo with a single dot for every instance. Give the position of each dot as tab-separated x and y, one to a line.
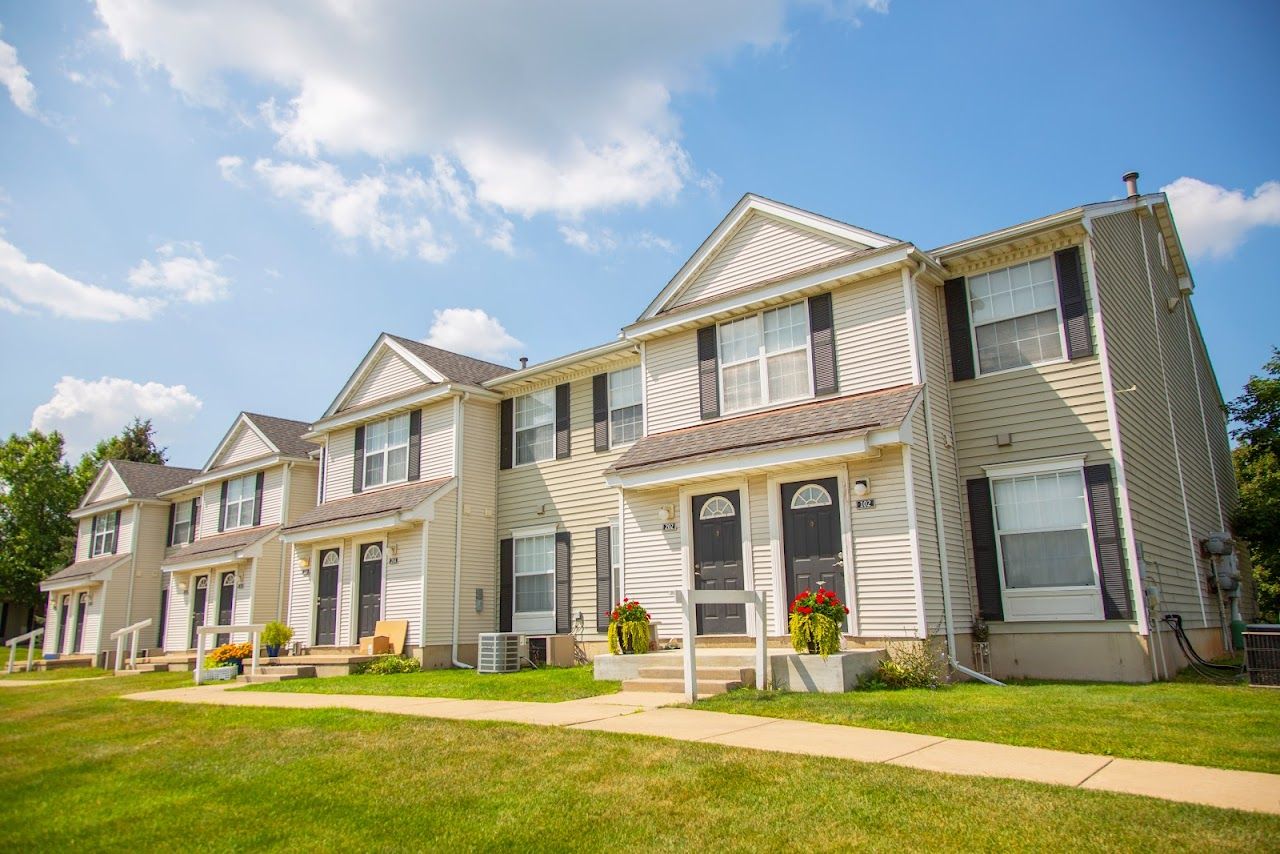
499	652
1262	655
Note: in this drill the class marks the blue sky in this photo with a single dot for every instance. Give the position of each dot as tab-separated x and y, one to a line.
215	210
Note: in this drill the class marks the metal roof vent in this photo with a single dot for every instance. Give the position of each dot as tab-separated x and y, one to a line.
1130	183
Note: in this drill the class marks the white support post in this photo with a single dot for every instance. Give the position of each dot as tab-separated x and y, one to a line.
133	649
13	643
762	643
253	668
689	600
199	657
31	650
119	654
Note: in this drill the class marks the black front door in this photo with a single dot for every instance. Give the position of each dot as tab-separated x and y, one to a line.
63	613
717	561
327	598
370	588
226	604
811	542
199	603
82	605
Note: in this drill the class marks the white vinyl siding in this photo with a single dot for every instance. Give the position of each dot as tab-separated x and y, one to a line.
626	406
1015	316
534	426
238	512
764	358
386	451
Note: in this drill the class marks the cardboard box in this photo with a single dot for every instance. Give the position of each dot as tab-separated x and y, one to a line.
375	645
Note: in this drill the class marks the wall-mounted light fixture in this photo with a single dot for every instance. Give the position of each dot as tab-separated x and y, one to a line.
861	486
182	586
665	513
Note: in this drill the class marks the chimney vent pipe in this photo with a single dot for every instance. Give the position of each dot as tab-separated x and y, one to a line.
1131	184
524	362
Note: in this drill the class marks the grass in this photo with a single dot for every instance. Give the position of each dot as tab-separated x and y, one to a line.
86	769
60	674
546	685
1195	723
21	655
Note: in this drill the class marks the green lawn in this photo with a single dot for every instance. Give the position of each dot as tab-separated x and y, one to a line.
60	674
20	657
547	685
1196	723
85	769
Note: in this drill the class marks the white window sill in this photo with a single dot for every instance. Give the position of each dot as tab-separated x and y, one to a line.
978	375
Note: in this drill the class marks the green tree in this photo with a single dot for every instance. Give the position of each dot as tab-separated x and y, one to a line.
135	442
1257	462
37	490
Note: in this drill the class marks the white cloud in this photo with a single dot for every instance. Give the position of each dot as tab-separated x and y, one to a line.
181	272
14	77
229	165
474	332
85	411
605	240
37	285
1213	221
649	240
563	107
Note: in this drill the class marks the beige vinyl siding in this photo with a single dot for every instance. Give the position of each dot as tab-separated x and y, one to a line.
210	509
763	248
84	534
936	375
402	590
479	498
302	490
884	579
177	635
302	603
926	526
273	496
761	549
148	580
437	441
341	446
265	592
671	381
652	563
246	445
109	488
873	346
441	536
570	493
1134	343
84	538
347	573
390	375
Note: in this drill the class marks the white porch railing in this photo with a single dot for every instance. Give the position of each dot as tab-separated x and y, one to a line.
690	599
118	636
30	638
202	632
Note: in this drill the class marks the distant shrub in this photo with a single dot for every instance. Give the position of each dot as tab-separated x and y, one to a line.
388	664
917	664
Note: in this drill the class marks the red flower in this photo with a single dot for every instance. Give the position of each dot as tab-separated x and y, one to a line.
805	609
846	610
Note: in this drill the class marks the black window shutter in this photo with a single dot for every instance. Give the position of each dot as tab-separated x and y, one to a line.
564	616
604	577
957	297
600	410
507	416
1071	295
562	421
823	341
708	373
506	583
986	568
357	462
173	512
115	538
415	444
257	499
195	519
222	509
1116	604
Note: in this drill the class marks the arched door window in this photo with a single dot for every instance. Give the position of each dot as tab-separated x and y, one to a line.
810	495
717	507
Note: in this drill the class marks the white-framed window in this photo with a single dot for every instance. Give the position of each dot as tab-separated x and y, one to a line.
534	576
534	426
764	358
626	406
103	534
717	507
1043	530
182	519
810	495
386	451
241	493
1015	316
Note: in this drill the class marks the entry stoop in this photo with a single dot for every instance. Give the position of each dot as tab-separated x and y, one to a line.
151	667
711	680
280	673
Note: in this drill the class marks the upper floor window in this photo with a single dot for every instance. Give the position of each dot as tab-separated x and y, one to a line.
1015	316
764	358
183	518
241	495
386	451
626	409
1042	530
104	534
534	422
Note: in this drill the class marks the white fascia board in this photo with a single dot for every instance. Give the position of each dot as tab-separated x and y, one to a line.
646	328
116	504
71	584
232	471
242	419
347	529
204	563
1011	233
93	487
534	371
416	362
410	401
384	341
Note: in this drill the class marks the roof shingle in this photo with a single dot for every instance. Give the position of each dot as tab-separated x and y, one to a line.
808	423
284	433
381	502
85	568
147	480
454	366
219	544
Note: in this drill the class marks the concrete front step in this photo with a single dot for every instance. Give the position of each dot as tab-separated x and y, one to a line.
152	667
279	674
676	686
744	675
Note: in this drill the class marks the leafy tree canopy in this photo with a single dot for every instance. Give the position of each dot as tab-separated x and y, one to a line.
135	442
1257	464
37	490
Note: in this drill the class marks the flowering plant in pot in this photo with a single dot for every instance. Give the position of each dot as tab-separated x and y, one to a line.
276	635
628	628
816	620
230	655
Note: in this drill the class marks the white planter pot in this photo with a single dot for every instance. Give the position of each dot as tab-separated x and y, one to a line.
217	674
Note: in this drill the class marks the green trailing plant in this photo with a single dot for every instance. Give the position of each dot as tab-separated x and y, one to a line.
909	664
386	665
628	628
816	621
276	633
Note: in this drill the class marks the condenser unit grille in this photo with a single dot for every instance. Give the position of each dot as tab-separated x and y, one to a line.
499	652
1262	655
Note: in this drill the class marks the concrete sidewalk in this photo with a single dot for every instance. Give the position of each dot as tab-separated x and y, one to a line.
634	713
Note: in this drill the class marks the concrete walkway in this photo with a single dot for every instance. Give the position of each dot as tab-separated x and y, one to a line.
635	713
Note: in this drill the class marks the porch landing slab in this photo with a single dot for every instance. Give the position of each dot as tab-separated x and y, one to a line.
637	714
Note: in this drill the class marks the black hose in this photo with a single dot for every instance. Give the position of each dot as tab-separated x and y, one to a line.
1204	668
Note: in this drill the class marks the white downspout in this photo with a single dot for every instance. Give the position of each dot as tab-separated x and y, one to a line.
458	418
285	566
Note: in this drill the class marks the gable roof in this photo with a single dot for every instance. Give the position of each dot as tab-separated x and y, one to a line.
747	207
380	502
144	480
282	436
455	367
83	570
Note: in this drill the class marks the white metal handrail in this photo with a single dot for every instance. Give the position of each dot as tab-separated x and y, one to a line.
12	643
690	599
203	632
118	636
